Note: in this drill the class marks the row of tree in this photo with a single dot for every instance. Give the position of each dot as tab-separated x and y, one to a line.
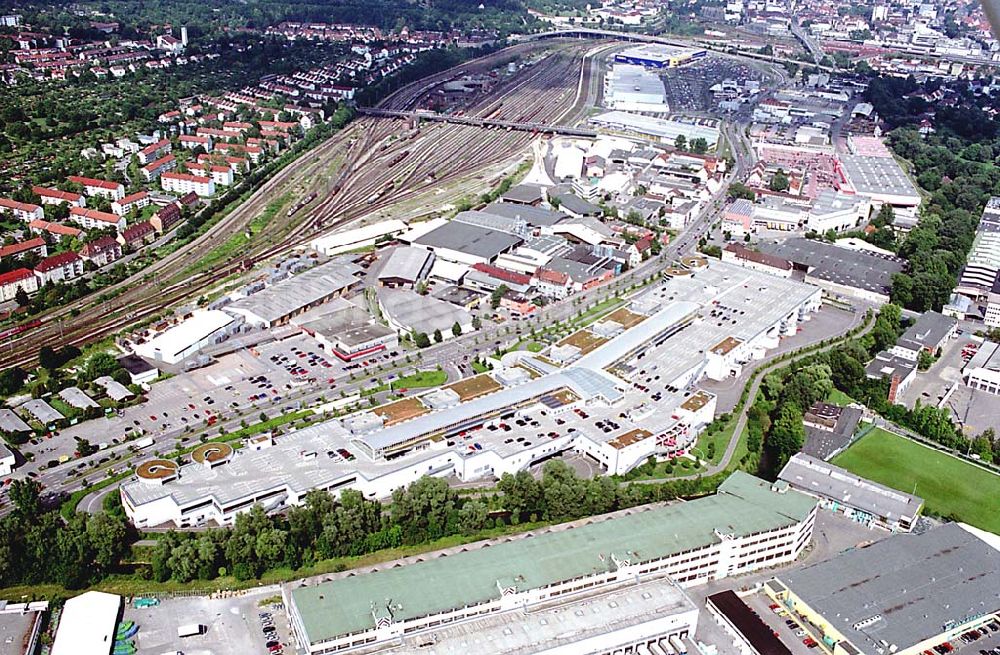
325	527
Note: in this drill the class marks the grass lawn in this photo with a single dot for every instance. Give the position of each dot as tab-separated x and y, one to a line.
421	379
947	484
838	397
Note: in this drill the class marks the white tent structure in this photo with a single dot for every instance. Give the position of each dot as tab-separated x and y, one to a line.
87	625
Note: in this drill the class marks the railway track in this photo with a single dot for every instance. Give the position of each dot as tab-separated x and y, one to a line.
441	155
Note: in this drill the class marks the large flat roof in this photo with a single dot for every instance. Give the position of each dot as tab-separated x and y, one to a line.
87	624
667	130
878	176
906	588
816	476
292	294
182	336
854	268
470	239
743	505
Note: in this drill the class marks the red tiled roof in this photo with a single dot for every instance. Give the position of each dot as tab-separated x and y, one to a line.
90	181
24	246
14	205
56	261
150	149
554	277
65	196
162	161
135	197
503	274
93	214
104	243
187	176
16	275
54	228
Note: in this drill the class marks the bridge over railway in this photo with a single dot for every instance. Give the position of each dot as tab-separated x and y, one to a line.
541	128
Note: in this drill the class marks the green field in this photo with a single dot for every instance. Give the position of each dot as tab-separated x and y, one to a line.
421	379
948	485
838	397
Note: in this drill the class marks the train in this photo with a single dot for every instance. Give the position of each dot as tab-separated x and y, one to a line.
302	203
18	329
398	158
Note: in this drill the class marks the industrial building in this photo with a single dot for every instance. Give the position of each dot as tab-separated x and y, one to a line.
408	312
902	595
840	212
659	130
514	588
87	624
857	273
405	266
982	264
339	242
708	320
928	334
983	370
187	338
465	242
879	178
655	55
279	302
861	500
900	372
632	88
345	330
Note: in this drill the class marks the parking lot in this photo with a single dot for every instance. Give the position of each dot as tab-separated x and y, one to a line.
232	625
687	87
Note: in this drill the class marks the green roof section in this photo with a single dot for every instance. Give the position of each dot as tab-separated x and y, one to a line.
743	505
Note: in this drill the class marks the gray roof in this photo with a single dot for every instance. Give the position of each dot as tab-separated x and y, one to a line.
114	389
877	176
823	444
577	205
492	221
853	268
11	422
886	364
929	330
42	411
458	295
292	294
595	224
910	586
75	397
406	263
536	216
469	239
422	313
523	193
830	201
816	477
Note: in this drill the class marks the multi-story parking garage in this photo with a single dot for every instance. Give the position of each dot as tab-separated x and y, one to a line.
619	399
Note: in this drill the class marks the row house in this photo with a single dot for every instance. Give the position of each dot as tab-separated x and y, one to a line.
91	219
128	203
59	268
57	197
23	211
95	187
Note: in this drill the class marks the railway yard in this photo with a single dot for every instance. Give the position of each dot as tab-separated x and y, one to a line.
373	167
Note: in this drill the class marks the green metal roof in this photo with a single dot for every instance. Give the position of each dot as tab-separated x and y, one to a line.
743	505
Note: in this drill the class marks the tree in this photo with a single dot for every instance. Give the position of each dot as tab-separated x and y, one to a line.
421	340
786	437
438	337
740	191
21	297
100	364
699	146
779	181
456	329
924	360
476	322
497	295
680	142
472	517
25	497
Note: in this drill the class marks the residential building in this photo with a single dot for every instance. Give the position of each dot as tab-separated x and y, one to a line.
59	268
19	278
57	230
186	183
102	251
137	235
154	151
23	211
95	187
192	141
221	175
57	197
166	218
128	203
18	250
91	219
153	170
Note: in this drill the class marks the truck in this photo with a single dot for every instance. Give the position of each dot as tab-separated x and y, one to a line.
190	630
143	443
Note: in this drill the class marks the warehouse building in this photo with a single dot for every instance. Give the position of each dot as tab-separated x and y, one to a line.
840	212
346	331
902	595
87	624
748	524
408	312
983	261
339	242
281	301
187	338
655	55
839	490
632	88
857	273
466	243
879	178
656	129
405	267
983	370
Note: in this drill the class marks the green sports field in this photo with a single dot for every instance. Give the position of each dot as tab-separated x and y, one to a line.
947	484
